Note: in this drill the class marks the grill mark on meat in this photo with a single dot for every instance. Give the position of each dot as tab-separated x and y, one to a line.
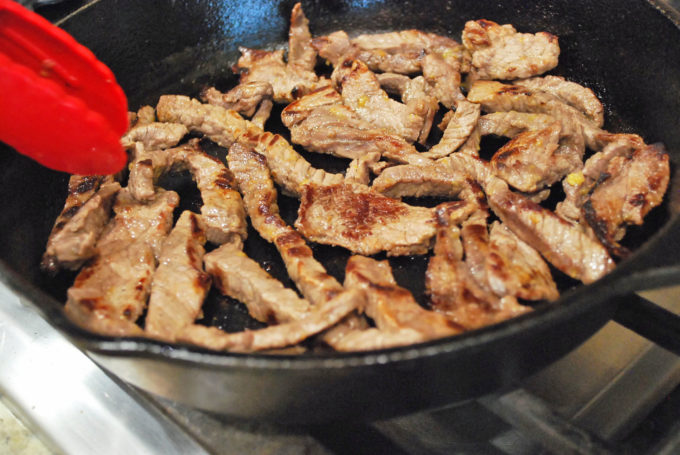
76	231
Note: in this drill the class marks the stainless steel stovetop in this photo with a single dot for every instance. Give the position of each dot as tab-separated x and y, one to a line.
597	399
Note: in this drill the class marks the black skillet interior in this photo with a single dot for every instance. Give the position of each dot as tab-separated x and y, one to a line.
628	53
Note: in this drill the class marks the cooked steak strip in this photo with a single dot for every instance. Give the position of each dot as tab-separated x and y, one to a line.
317	320
155	135
442	73
321	123
495	96
77	229
301	54
260	200
288	81
222	210
633	182
564	245
458	129
372	339
220	125
363	221
288	168
418	181
398	52
224	127
418	100
514	268
241	278
511	123
110	292
392	307
179	284
244	98
499	52
452	289
361	92
576	95
533	160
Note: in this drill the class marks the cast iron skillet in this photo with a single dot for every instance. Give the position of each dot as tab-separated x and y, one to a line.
629	53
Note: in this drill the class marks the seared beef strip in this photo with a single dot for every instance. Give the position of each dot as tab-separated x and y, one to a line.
301	54
110	292
515	268
288	168
422	104
222	208
625	183
155	135
243	279
393	83
361	92
363	221
451	286
564	245
495	96
533	160
442	73
458	129
574	94
321	123
419	181
218	124
499	52
244	98
179	284
370	339
224	127
397	52
86	212
392	307
320	318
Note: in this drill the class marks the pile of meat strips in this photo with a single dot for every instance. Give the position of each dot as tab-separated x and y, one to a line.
142	274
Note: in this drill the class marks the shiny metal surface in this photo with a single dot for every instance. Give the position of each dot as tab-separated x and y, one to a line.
74	406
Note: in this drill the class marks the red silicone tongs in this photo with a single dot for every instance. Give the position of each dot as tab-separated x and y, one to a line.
58	104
